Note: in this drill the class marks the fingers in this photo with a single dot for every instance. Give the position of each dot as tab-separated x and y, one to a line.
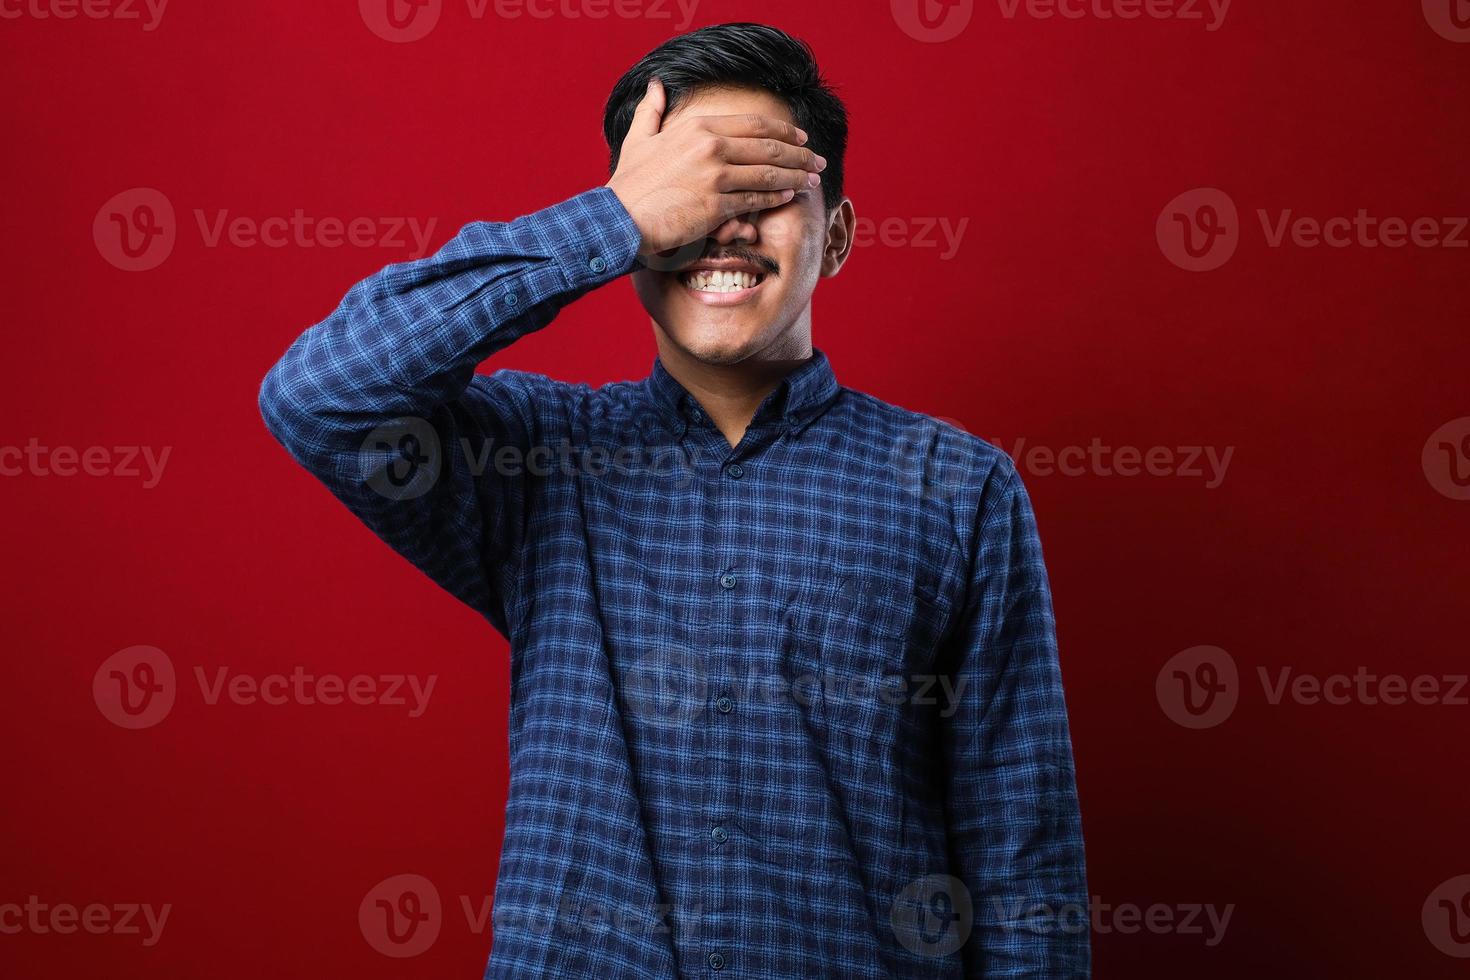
755	125
772	152
648	117
764	178
748	202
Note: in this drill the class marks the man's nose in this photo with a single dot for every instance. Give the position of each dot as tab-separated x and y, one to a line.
741	227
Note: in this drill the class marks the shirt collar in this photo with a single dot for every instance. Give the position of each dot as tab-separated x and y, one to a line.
797	401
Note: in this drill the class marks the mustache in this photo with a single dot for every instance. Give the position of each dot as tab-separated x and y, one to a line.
742	254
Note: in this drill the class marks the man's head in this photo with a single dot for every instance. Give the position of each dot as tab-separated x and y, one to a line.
731	69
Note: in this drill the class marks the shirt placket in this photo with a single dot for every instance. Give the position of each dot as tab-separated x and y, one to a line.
723	471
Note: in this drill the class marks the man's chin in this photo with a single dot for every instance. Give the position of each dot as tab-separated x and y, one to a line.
715	345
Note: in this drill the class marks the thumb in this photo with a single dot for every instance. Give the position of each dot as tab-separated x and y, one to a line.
648	117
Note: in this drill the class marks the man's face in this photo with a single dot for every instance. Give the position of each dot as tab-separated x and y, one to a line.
774	256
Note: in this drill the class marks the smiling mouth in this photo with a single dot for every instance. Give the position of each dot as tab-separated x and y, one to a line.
721	281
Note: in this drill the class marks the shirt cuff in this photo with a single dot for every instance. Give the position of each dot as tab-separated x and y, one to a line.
591	237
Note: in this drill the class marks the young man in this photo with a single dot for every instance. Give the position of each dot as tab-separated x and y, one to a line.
785	699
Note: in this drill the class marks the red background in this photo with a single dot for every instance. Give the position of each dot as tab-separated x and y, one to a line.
1324	549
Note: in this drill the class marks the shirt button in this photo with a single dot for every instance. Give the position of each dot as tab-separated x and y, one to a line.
716	961
724	704
727	581
598	264
511	299
734	471
720	834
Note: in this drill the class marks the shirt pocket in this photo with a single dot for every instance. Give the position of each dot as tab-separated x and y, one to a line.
849	611
865	626
854	640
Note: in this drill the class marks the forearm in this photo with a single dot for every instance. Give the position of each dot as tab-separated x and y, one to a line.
406	340
380	401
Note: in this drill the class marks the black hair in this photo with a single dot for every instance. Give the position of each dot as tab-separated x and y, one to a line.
741	55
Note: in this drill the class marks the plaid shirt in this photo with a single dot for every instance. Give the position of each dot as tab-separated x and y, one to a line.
791	709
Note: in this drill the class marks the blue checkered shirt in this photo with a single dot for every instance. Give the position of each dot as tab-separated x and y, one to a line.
791	709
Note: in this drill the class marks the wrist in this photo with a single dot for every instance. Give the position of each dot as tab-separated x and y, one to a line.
623	199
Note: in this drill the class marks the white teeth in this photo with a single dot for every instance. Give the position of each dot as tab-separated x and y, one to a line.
720	281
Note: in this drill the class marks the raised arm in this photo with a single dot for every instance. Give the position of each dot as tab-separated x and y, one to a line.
380	401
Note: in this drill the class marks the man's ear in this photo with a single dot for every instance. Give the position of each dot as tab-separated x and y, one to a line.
841	226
